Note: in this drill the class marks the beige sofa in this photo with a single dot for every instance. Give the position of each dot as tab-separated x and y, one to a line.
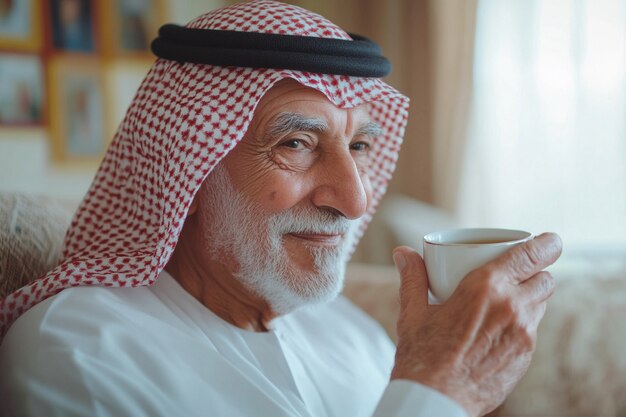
579	368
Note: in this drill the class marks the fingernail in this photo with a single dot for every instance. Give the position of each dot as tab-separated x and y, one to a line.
399	260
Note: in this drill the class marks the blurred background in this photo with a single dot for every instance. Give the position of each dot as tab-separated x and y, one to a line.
517	115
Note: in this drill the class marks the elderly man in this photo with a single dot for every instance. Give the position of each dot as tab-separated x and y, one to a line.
201	272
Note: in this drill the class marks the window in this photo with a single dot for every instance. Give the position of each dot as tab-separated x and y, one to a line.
547	137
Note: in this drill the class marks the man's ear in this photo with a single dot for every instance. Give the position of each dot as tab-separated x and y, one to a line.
194	204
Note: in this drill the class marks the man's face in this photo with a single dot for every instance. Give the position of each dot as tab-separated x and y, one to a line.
280	211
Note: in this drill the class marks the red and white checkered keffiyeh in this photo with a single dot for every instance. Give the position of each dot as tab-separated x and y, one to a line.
183	120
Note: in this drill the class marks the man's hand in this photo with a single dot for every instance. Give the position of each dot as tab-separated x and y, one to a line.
478	344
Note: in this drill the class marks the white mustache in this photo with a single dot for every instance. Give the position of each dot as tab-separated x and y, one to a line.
310	221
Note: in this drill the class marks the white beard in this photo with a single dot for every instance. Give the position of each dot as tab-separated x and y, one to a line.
239	229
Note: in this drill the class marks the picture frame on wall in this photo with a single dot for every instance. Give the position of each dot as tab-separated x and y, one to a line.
20	25
21	90
78	110
72	23
131	25
123	79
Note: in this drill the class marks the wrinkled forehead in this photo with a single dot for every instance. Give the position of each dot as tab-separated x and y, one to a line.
290	97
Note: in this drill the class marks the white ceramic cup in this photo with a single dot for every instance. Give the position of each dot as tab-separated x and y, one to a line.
451	254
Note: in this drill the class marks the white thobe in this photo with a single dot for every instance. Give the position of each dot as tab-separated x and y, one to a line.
156	351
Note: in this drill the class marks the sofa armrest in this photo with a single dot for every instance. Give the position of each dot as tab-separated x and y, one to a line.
31	238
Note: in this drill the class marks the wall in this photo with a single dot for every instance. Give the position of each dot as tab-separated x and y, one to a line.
25	163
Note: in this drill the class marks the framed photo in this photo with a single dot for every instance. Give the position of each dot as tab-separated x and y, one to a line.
21	89
78	119
72	25
20	25
130	25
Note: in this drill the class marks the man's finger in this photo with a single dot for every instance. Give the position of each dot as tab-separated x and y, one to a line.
539	287
414	282
527	259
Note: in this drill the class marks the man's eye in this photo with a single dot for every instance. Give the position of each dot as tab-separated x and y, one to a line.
360	146
293	143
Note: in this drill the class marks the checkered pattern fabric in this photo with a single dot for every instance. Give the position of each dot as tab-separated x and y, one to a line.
183	120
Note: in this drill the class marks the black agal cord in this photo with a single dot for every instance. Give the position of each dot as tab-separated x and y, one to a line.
359	57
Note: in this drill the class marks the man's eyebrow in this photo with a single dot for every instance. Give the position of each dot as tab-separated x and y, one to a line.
289	122
371	129
293	122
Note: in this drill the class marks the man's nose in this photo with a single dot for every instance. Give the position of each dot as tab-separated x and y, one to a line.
341	187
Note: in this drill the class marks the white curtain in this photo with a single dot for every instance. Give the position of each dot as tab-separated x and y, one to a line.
452	27
547	136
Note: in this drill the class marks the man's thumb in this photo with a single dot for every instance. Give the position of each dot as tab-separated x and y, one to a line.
414	282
